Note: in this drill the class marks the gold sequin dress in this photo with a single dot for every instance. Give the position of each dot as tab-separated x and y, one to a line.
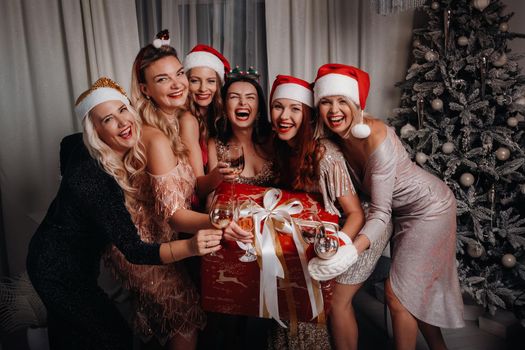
264	178
165	299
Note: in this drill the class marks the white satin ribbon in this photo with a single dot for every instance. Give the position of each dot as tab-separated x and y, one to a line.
271	266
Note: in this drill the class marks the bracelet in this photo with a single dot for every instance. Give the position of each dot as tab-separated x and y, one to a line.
171	252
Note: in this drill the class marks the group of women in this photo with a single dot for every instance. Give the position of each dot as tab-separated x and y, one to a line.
135	184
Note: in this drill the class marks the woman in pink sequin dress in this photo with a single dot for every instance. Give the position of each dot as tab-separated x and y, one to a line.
166	301
422	289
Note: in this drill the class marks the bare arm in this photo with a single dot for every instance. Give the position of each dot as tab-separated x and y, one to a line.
160	161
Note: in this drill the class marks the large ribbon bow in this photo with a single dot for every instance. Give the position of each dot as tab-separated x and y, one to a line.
272	268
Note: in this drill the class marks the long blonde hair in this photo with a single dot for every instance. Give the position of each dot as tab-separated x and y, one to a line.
122	170
146	107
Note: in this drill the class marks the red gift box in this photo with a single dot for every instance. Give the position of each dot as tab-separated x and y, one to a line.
233	287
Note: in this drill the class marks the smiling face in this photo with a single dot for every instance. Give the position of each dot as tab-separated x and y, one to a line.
166	84
115	125
204	83
242	104
336	113
287	117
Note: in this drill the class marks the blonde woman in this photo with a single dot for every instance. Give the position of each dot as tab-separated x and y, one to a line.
422	290
167	303
88	213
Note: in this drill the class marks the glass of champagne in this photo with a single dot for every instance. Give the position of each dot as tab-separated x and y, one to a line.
309	224
244	218
234	156
221	212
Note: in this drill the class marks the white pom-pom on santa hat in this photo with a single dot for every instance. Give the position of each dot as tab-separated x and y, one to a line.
286	86
207	56
335	79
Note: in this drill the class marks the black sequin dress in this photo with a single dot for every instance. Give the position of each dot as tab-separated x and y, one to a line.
87	214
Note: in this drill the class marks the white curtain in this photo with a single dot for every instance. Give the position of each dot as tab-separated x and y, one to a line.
304	34
51	51
234	27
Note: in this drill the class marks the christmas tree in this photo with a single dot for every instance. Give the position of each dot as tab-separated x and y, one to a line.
461	118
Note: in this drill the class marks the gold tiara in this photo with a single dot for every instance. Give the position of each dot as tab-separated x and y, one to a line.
103	82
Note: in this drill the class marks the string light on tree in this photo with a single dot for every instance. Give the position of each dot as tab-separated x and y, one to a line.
435	5
466	179
416	43
508	260
503	26
502	153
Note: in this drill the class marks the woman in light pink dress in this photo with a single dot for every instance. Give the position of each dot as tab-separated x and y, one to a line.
423	288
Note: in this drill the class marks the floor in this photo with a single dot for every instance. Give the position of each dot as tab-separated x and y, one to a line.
374	332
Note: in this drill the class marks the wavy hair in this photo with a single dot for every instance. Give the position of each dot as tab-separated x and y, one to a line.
122	170
146	107
297	168
215	109
262	129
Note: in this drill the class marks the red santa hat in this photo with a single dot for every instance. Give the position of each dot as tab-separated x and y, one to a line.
207	56
286	86
339	79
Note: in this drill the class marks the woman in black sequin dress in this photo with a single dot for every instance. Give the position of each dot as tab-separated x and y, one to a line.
87	214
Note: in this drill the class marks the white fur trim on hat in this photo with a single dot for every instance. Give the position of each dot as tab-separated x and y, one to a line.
204	59
336	84
96	97
294	92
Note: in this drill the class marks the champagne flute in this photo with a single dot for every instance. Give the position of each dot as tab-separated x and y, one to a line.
221	212
309	224
233	155
244	217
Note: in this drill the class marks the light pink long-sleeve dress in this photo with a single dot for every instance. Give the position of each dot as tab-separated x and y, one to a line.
423	272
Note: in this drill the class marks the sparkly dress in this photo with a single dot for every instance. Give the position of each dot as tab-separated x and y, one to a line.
423	209
165	298
334	182
264	178
63	261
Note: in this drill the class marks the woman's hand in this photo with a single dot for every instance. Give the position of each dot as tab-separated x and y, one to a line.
206	241
235	233
223	172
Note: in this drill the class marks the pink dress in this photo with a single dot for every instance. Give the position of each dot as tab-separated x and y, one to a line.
166	300
423	209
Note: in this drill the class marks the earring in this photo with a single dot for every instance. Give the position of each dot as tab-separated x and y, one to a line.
360	130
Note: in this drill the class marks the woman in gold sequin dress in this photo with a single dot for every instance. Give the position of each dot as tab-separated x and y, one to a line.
244	122
315	165
166	301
